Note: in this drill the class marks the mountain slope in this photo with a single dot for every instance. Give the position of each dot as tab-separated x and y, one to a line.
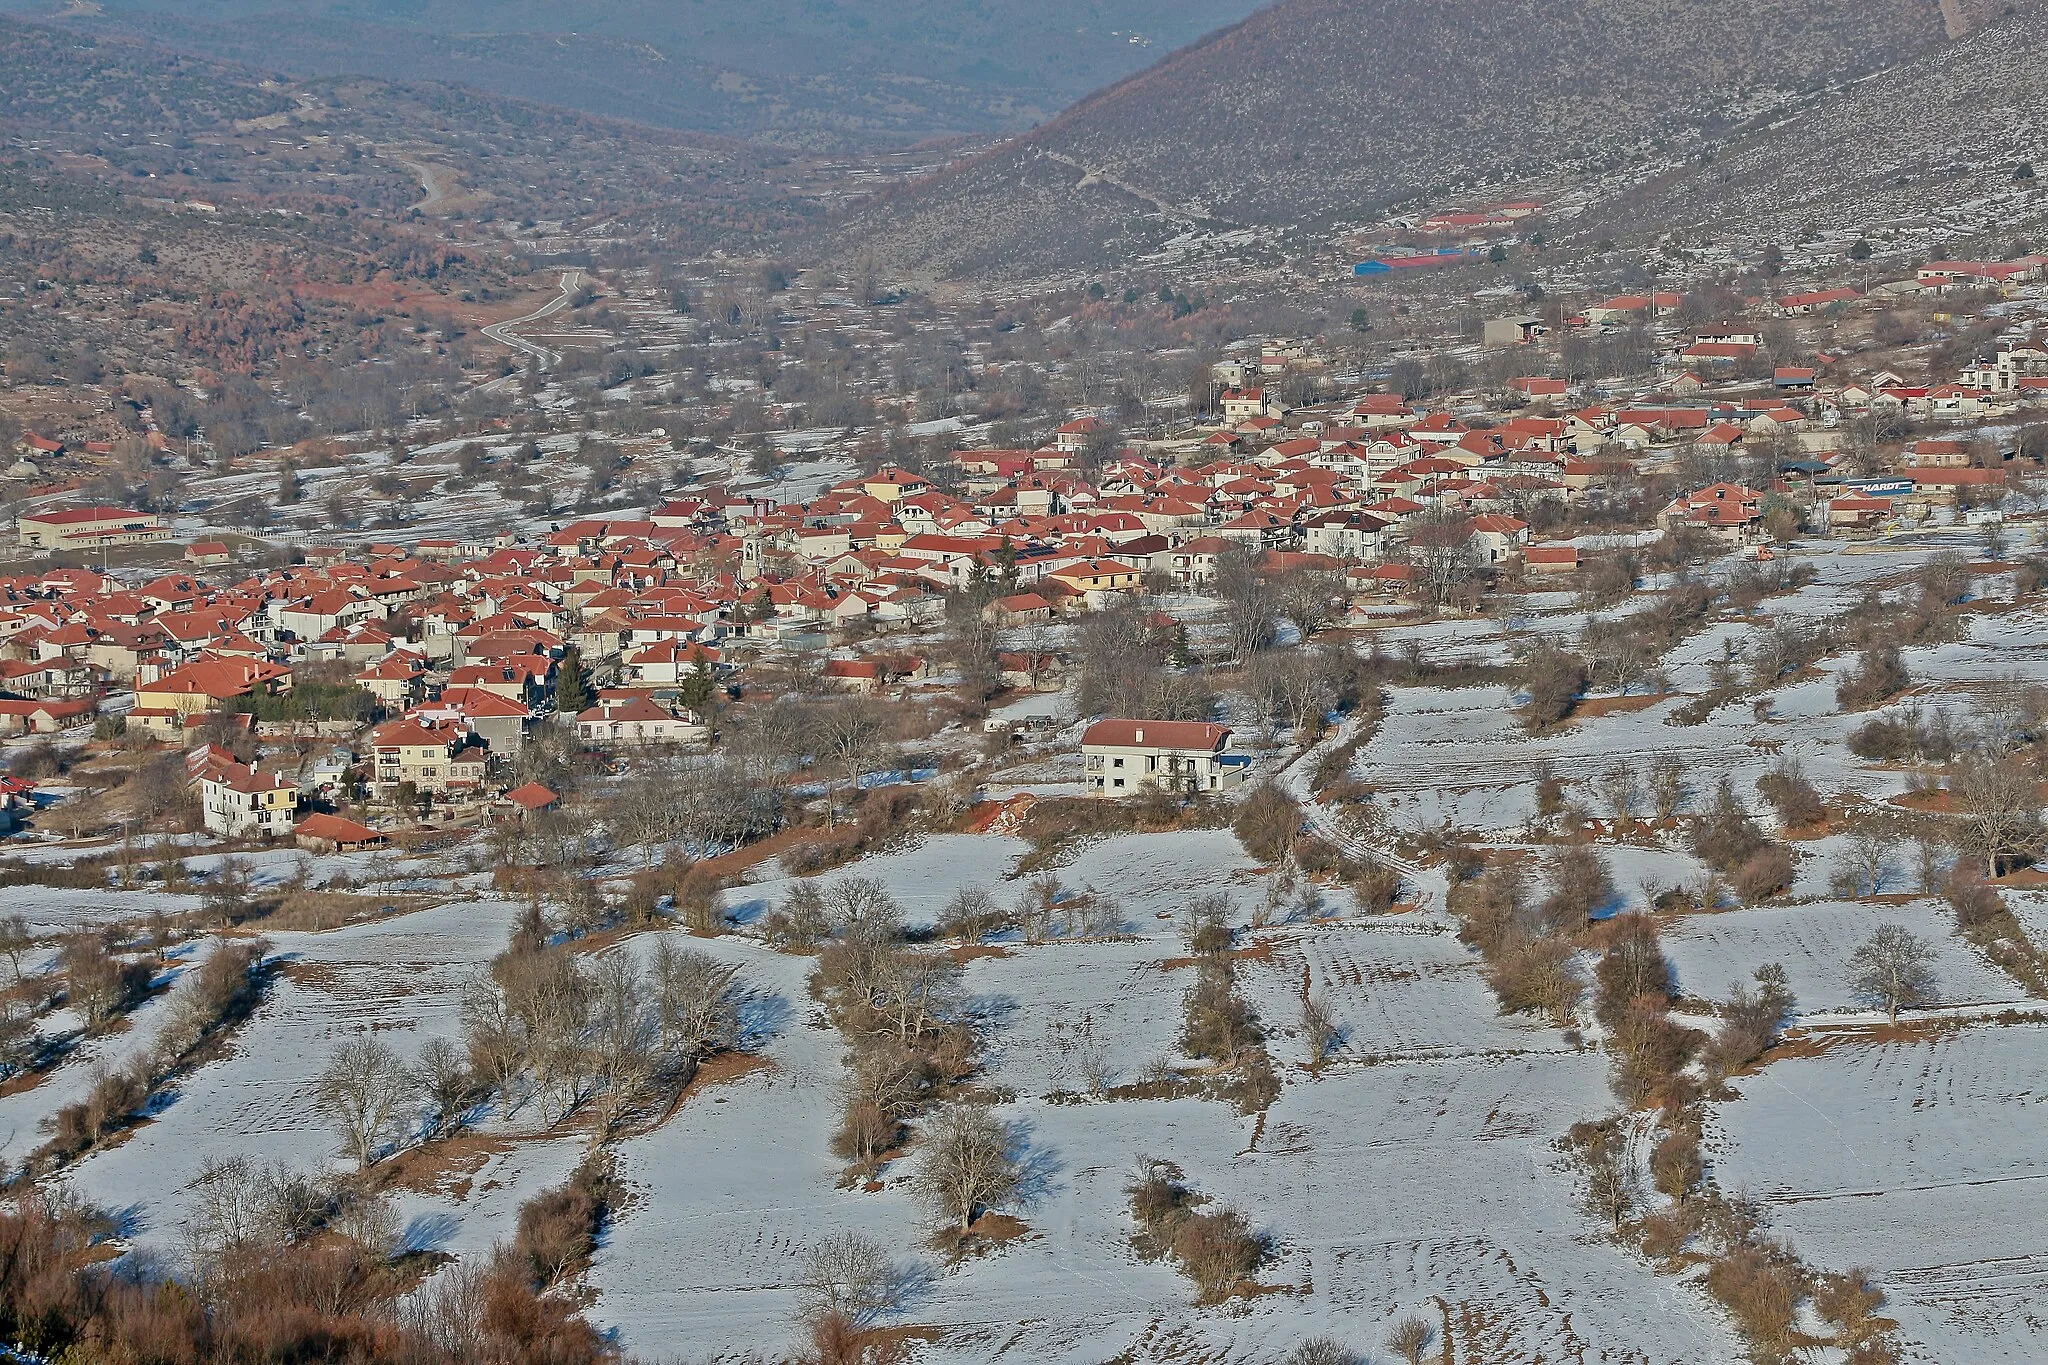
1320	111
798	71
1926	152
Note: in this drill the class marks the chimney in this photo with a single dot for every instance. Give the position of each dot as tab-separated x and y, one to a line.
1139	736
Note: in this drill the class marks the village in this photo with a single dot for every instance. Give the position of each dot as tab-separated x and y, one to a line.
357	686
1526	731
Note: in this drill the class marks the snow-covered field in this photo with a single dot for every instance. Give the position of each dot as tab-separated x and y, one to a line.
1925	1160
1814	943
1418	1164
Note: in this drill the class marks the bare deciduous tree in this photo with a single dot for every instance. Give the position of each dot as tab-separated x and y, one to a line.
851	736
970	1163
850	1275
1667	785
1322	1351
696	1001
1319	1029
1249	603
16	938
1410	1338
449	1085
362	1091
623	1038
2000	805
1894	969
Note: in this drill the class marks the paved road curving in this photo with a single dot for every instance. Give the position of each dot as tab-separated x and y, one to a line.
502	333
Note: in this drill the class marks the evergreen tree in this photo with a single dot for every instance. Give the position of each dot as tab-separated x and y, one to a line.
572	690
697	689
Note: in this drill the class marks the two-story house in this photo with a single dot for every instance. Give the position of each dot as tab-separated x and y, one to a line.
236	801
433	757
1124	757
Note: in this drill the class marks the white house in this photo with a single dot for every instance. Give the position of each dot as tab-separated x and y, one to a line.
236	801
1123	757
637	721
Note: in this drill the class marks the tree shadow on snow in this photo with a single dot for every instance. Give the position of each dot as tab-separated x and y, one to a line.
429	1232
762	1016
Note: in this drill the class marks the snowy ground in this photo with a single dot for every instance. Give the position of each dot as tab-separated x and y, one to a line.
1418	1164
1926	1161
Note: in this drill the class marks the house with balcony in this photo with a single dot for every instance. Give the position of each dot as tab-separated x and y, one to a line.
1126	757
437	757
237	801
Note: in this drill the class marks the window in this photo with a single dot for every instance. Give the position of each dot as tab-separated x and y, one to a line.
1118	782
1117	763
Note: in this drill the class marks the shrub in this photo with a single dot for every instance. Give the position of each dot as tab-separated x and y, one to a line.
1216	1022
1791	796
1579	886
1254	1085
1725	836
1267	823
1490	909
865	1131
1880	674
1536	977
1750	1021
1217	1251
1633	966
1375	886
1675	1162
1884	739
1975	901
1763	874
1761	1291
1553	679
558	1229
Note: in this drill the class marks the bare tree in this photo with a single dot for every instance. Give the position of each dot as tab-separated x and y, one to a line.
449	1085
1865	865
1895	969
1441	551
96	982
623	1037
16	939
1667	785
361	1091
851	1276
696	1001
920	990
1622	789
1322	1351
2000	805
851	736
494	1039
1249	602
972	914
853	903
970	1163
1410	1338
1311	598
1319	1029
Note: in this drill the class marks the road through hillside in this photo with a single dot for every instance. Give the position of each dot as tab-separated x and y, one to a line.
502	333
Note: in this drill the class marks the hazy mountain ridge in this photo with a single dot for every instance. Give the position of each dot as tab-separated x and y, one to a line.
1314	112
784	70
155	121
